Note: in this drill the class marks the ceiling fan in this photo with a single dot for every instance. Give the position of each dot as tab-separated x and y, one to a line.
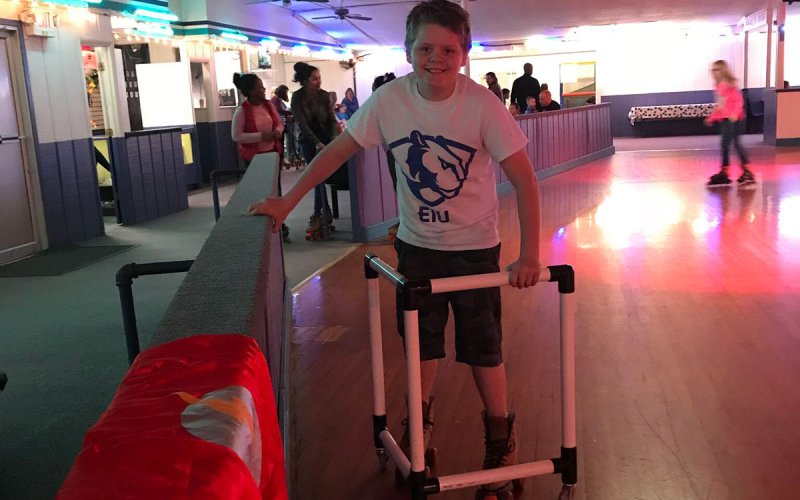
286	2
343	13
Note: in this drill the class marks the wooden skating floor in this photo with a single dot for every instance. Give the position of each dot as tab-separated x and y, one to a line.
688	343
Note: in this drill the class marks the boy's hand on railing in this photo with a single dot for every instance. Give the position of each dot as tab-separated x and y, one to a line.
524	272
277	208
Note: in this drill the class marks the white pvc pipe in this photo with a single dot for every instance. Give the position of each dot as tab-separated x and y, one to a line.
395	453
457	283
568	432
376	345
487	476
411	320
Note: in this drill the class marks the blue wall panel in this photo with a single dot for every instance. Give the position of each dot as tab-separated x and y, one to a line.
69	191
159	176
86	173
170	179
50	183
152	181
70	194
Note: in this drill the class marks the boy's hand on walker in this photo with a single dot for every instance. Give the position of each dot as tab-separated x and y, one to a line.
524	272
276	208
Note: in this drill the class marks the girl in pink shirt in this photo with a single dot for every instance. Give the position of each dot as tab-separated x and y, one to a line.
729	111
257	127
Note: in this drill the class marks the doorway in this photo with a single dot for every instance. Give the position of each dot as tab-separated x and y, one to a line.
17	228
97	122
578	84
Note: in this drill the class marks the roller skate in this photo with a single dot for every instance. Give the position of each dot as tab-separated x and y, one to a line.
317	229
501	451
718	180
427	432
747	180
393	232
285	233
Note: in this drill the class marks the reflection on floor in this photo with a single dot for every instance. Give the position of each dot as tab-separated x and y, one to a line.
688	342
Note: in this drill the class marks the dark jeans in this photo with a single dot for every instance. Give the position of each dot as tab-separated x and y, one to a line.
309	152
730	133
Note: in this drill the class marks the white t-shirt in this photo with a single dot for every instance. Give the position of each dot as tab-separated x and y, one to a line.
443	149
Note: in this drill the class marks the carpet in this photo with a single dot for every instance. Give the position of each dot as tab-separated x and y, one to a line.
60	261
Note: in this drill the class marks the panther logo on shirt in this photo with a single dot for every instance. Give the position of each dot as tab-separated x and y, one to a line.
435	168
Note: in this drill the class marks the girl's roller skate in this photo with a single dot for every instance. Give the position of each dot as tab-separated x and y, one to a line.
320	226
427	432
501	451
285	233
317	229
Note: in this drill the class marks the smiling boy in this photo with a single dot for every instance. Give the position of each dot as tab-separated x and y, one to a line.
444	131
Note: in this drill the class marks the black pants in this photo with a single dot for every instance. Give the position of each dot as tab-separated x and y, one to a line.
730	133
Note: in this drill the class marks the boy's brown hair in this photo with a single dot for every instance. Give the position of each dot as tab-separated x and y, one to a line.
442	12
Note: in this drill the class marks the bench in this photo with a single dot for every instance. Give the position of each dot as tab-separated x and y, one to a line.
687	119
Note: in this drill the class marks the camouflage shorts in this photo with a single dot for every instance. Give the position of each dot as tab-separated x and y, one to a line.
478	329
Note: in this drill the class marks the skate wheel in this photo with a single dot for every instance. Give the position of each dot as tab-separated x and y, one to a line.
567	492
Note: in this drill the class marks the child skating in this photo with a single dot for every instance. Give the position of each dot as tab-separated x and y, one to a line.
729	112
444	130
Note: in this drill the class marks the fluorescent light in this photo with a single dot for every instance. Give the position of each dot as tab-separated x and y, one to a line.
152	14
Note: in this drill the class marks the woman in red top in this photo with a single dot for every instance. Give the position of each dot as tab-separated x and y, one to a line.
257	127
729	111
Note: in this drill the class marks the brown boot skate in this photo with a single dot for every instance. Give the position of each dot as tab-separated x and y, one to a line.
427	432
501	451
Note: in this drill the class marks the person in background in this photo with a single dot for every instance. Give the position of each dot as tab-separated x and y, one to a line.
544	87
257	127
506	94
341	117
350	103
491	82
340	112
546	102
513	109
280	96
447	131
313	113
530	105
525	86
729	111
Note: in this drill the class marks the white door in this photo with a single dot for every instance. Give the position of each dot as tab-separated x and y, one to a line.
17	236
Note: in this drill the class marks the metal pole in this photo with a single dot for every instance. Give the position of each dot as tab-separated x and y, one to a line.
124	278
215	174
779	53
770	17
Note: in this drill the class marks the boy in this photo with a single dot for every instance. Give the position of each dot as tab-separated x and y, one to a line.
444	129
